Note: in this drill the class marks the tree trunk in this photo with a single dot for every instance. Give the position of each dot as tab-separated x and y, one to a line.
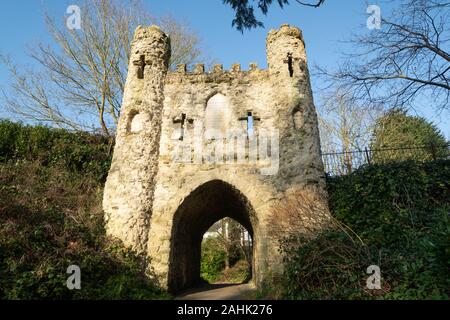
225	228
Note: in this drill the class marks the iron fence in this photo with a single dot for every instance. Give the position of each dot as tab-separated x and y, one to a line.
342	163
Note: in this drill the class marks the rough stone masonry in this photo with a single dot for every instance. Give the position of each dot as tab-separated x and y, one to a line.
161	206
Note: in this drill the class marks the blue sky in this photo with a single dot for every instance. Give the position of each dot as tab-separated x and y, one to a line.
21	25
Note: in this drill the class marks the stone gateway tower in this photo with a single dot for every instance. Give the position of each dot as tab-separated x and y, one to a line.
194	147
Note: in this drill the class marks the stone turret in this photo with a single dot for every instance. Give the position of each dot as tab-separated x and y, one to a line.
129	188
295	111
286	54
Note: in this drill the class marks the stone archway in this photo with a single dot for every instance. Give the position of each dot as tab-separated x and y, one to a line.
148	199
207	204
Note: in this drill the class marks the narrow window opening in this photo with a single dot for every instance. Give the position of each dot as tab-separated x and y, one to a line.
141	65
136	122
298	119
290	63
250	118
249	123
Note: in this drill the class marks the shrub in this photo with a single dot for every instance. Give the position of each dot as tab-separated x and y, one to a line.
400	214
51	218
398	130
212	260
78	152
46	225
238	273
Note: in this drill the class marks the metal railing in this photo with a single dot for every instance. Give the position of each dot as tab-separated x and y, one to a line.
342	163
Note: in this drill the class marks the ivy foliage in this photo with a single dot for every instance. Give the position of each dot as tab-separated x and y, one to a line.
212	260
51	184
396	217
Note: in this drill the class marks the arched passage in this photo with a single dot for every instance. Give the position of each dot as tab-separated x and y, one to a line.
207	204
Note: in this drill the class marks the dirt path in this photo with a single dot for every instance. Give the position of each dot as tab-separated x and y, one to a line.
219	292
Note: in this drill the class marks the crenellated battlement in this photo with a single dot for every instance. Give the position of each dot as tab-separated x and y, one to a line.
216	73
286	58
216	68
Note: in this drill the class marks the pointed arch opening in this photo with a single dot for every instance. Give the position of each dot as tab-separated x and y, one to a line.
201	209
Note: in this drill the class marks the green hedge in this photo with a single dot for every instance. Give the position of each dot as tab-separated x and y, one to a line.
400	212
77	151
51	185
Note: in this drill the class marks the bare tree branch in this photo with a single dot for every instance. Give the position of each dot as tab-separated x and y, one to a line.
78	80
407	59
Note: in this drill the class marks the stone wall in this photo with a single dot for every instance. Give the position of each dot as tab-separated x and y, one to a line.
163	205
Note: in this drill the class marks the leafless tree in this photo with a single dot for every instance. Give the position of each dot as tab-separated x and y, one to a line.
407	59
78	80
344	124
230	234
